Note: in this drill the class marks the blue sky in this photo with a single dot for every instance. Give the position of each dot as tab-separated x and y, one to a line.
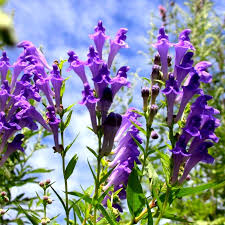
61	25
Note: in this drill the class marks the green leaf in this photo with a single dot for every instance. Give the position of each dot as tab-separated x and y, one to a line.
68	108
78	213
93	174
150	219
139	145
135	196
33	219
103	179
92	151
139	128
104	212
166	164
152	174
70	145
40	170
70	167
68	118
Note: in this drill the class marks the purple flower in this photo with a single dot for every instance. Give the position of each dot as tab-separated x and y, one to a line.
201	69
162	46
90	101
77	66
117	44
99	38
93	62
102	80
183	45
12	147
110	127
171	91
188	92
4	66
54	124
4	95
199	154
184	68
120	80
56	80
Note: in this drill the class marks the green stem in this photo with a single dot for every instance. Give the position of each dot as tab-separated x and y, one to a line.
44	204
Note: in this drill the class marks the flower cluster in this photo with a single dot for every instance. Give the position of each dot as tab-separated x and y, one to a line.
21	84
201	123
99	100
126	153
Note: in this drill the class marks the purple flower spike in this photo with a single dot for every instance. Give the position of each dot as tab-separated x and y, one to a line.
102	80
182	70
54	124
93	61
30	49
162	46
56	80
199	154
120	80
99	38
188	92
12	147
77	66
110	127
201	69
171	91
90	101
117	44
183	45
4	66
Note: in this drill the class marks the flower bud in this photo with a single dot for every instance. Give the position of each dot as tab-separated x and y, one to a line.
48	181
6	199
155	91
49	201
43	221
145	95
155	74
3	193
152	112
41	184
169	60
45	198
2	211
157	60
188	177
154	135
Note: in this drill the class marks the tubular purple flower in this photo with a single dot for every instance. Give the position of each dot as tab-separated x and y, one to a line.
90	101
102	80
77	66
54	124
57	81
117	44
188	92
93	62
201	69
4	66
4	95
12	147
171	91
199	154
110	127
184	68
99	37
162	46
182	46
120	80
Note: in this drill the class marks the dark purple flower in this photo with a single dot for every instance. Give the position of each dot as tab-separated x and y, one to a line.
201	69
12	147
120	80
110	127
162	46
77	66
90	101
183	45
4	95
57	81
99	37
199	154
53	122
102	80
171	91
117	44
4	66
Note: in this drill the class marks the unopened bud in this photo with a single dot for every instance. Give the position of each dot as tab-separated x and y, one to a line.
155	74
3	193
152	112
2	212
169	60
49	201
48	181
6	199
155	91
43	221
42	184
157	60
154	135
145	95
45	197
188	177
